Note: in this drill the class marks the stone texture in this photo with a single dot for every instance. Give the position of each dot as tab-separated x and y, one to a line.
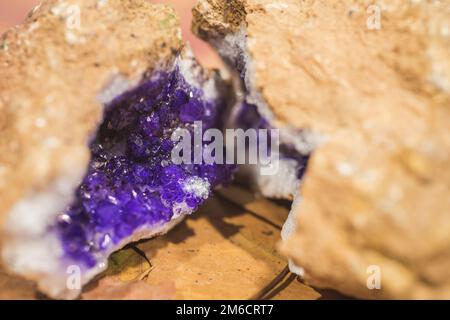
188	262
47	117
65	72
376	191
227	250
132	181
52	76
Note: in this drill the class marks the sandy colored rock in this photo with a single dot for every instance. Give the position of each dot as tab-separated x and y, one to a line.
58	69
14	287
188	263
376	100
53	72
227	250
110	288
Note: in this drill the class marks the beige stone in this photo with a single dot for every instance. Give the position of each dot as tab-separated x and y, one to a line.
52	76
377	188
58	70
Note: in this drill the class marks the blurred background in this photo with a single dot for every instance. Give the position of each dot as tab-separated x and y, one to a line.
13	12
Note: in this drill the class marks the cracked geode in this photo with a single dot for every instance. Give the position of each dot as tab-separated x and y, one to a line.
81	174
132	183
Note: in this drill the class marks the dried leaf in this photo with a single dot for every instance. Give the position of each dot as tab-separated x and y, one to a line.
128	265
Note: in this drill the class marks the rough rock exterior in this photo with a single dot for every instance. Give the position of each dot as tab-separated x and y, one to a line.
376	195
50	106
52	75
58	69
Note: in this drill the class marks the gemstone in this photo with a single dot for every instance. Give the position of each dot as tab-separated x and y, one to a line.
131	182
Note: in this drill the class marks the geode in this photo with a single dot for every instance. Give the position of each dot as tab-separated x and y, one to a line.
88	113
222	23
363	90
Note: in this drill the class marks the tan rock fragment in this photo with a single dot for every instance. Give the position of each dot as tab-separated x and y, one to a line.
58	69
377	189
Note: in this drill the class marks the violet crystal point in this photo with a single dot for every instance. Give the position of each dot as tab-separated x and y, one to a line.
132	183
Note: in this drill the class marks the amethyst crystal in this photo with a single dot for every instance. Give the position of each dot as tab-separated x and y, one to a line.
131	182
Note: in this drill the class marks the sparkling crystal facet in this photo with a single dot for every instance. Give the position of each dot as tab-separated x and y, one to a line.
131	181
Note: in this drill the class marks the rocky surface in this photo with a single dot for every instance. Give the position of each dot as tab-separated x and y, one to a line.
90	96
188	262
374	99
45	113
132	181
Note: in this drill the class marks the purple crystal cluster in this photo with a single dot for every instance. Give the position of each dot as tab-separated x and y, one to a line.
131	181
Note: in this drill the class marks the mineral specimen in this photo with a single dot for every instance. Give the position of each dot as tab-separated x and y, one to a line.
86	120
132	183
365	90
